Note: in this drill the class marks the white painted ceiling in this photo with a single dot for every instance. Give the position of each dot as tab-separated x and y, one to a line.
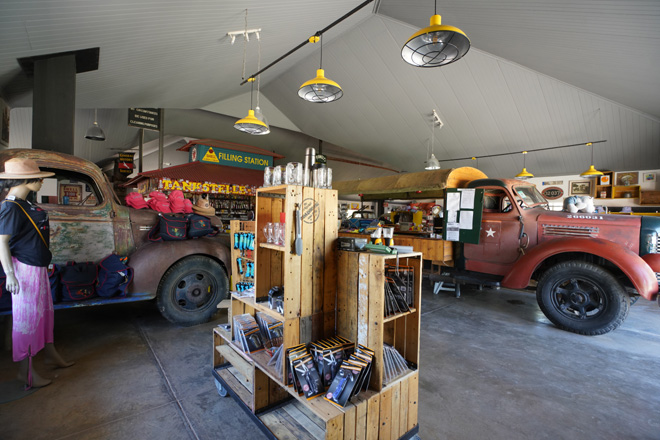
540	73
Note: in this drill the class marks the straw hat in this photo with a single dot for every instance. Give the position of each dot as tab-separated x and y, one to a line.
23	168
203	207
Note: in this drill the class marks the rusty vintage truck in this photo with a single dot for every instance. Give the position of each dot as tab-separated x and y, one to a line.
187	278
586	267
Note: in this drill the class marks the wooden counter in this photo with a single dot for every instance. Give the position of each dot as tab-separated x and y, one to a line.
438	251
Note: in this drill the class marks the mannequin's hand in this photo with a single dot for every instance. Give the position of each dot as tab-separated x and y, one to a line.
12	284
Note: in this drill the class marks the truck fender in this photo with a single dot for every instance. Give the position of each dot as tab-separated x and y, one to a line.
653	260
632	265
151	261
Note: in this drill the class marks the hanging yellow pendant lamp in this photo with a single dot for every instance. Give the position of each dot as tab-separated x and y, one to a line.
436	45
524	174
250	124
592	172
320	89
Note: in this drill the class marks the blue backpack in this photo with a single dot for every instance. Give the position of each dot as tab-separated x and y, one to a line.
78	280
114	277
55	282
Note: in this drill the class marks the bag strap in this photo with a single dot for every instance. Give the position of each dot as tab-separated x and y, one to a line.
31	221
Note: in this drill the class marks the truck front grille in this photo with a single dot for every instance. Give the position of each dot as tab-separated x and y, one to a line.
571	231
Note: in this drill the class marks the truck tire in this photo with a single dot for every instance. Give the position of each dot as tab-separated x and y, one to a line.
190	290
582	298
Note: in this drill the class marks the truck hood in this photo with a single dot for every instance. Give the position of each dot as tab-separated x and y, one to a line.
621	229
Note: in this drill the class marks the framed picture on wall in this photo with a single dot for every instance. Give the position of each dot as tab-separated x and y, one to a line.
70	194
626	178
649	177
580	187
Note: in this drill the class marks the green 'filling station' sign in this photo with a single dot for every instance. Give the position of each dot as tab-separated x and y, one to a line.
221	156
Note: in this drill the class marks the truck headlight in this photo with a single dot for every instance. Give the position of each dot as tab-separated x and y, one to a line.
652	243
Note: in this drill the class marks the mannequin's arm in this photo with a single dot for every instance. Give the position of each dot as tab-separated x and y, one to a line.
5	258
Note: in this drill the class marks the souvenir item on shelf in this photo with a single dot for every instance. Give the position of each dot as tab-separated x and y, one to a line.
294	173
246	333
308	376
279	174
394	365
268	176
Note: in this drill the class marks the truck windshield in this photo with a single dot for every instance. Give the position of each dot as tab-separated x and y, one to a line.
530	196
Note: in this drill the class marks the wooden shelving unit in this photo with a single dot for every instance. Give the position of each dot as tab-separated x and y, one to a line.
312	304
625	192
649	198
360	307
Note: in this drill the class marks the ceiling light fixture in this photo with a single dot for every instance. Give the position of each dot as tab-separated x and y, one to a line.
592	172
257	110
250	124
320	89
524	174
436	45
95	132
246	34
433	163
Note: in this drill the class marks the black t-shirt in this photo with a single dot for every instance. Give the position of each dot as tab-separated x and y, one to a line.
26	245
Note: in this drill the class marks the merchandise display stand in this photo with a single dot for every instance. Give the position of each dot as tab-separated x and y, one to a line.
312	301
238	226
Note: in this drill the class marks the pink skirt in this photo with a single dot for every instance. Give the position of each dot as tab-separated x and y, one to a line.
32	310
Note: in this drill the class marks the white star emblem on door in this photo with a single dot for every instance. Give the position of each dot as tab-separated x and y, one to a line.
490	232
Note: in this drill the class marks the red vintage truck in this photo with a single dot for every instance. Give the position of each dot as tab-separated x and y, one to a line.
187	278
587	268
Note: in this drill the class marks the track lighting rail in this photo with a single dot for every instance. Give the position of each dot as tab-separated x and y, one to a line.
519	152
317	34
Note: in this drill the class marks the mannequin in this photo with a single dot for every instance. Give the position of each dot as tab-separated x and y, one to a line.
24	254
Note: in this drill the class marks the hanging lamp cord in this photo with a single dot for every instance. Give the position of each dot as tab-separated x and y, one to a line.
258	68
321	65
245	44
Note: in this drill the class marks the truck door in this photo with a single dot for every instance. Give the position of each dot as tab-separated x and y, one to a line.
81	216
498	239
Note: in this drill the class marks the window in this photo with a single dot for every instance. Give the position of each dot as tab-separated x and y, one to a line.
68	188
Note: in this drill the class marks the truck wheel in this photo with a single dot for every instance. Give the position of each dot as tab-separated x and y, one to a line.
191	289
582	298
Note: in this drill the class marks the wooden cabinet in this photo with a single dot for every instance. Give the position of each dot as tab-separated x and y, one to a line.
625	192
315	308
604	185
649	198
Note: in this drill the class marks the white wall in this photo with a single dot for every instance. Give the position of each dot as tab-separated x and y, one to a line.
545	182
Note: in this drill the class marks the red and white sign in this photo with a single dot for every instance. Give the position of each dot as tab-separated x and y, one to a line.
552	193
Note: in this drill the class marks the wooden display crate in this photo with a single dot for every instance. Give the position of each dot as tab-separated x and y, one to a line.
649	198
389	414
308	279
619	192
360	307
310	283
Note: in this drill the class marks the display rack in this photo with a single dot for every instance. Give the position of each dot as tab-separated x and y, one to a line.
310	313
229	207
239	226
360	307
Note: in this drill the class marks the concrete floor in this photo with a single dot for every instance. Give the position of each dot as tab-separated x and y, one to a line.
492	367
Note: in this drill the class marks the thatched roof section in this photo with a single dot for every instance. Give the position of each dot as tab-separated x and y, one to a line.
409	185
